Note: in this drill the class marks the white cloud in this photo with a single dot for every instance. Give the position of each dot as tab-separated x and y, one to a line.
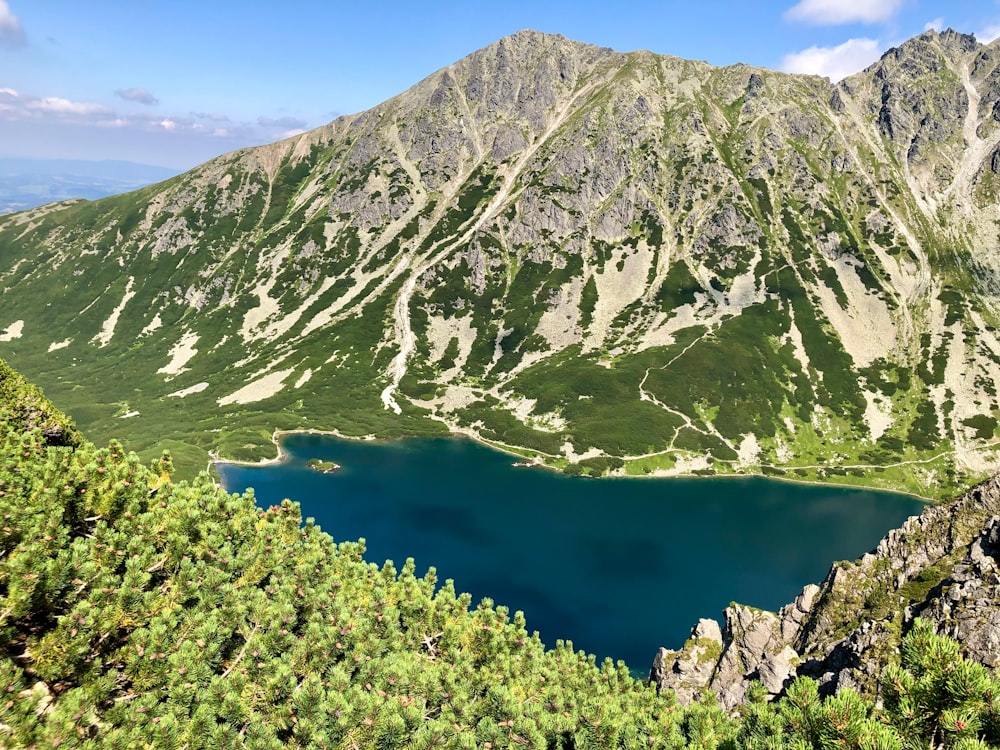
989	34
11	33
289	123
293	132
137	94
937	24
61	106
213	116
834	62
834	12
56	120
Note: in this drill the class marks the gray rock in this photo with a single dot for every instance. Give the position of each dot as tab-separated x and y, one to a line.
708	629
966	604
688	672
777	670
750	637
837	101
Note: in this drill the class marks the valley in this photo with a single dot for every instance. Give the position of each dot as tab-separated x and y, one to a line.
29	183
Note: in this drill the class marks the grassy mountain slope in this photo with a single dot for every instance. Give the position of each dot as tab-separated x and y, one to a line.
609	261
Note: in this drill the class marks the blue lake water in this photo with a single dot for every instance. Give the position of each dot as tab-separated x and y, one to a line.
618	566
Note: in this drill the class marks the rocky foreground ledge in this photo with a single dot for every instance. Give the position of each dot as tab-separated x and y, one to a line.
943	565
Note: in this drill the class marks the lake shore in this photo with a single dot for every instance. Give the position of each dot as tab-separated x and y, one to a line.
534	461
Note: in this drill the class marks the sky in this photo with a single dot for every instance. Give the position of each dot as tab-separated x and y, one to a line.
176	82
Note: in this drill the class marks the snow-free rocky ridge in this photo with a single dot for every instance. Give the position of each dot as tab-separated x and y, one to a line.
625	263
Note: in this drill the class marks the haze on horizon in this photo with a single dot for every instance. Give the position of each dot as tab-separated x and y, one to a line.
176	84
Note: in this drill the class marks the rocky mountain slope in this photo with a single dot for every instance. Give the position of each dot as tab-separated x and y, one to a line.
942	566
613	262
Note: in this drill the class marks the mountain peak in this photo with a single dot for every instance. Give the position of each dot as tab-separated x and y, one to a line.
530	36
526	49
933	44
952	39
533	37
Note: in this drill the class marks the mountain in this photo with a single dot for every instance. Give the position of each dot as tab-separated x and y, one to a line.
613	262
27	183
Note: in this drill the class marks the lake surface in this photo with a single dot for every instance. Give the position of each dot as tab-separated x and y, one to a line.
618	566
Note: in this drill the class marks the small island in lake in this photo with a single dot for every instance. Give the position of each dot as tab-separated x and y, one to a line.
324	467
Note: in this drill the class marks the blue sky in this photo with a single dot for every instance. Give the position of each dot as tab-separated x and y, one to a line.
175	82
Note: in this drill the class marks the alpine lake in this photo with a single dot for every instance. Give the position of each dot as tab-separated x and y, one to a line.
619	567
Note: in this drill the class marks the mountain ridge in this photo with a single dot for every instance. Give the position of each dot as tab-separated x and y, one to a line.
613	262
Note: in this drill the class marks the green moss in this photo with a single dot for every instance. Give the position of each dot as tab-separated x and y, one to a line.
679	287
588	302
763	197
917	588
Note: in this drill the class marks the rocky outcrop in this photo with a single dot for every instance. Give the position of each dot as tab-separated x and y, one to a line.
966	604
914	110
689	671
943	566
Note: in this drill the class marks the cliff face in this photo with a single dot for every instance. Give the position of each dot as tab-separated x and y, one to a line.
624	262
943	566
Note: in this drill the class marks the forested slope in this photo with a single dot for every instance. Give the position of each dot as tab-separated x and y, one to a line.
139	612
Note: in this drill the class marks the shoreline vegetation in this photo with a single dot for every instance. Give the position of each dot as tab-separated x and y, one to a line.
528	459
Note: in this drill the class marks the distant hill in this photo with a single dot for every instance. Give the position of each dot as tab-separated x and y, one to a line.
28	183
